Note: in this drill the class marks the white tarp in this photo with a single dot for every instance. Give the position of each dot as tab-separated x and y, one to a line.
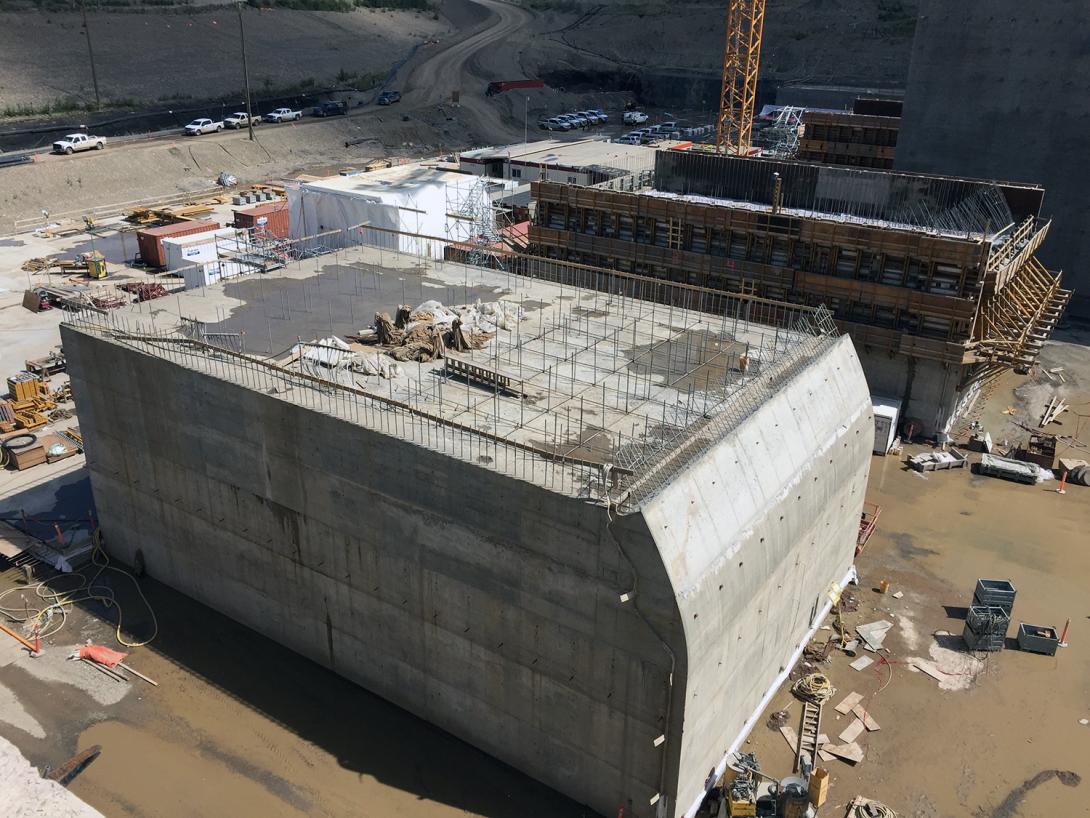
427	207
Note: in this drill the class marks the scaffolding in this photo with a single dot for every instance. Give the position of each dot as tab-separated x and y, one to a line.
475	226
782	137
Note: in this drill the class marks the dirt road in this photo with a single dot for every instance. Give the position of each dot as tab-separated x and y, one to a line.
426	80
453	68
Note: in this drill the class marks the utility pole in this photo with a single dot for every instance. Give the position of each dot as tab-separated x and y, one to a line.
245	72
90	52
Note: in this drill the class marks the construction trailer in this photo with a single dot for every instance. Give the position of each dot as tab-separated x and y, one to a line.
935	278
593	548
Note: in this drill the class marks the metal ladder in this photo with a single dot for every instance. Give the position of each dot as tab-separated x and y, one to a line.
809	731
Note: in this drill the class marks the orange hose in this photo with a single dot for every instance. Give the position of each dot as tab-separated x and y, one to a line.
28	645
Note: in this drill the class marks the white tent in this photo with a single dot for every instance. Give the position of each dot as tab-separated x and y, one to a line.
429	207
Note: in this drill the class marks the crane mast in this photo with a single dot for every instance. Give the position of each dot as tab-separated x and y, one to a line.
741	58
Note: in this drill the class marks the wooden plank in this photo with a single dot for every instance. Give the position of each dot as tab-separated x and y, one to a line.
866	718
852	732
850	701
929	669
792	737
849	752
14	542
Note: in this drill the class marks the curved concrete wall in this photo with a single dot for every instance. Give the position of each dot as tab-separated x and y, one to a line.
752	534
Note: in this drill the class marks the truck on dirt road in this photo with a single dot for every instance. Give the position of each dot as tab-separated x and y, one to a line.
284	115
510	85
201	126
240	119
79	142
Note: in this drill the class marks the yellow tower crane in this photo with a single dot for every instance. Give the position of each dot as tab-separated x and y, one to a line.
741	57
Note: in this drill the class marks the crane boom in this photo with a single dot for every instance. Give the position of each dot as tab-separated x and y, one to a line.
741	58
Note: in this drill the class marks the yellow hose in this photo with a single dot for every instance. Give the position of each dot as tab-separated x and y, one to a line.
61	601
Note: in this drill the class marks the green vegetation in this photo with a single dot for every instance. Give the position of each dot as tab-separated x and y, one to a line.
67	105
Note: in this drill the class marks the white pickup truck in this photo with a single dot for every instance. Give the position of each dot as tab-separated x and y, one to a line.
240	119
634	117
199	126
284	115
79	142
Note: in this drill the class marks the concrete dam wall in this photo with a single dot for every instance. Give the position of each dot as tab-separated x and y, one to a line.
556	634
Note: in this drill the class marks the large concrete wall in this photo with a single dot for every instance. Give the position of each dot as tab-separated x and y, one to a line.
752	534
400	568
485	604
998	90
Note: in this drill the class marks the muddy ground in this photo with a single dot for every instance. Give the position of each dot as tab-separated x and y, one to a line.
998	735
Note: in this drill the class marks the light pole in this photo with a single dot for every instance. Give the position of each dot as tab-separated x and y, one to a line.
245	72
525	126
90	52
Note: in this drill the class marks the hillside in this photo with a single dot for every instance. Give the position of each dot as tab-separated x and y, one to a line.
160	56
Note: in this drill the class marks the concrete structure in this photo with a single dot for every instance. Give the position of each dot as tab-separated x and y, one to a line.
591	548
585	162
866	137
1018	109
421	198
934	277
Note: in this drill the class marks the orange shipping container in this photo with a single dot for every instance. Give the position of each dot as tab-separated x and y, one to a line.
269	219
150	240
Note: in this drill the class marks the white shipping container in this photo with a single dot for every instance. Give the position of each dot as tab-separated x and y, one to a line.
200	257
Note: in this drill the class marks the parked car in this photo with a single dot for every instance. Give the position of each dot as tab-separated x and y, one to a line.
389	97
330	108
79	142
575	120
602	115
203	125
634	117
592	117
239	119
284	115
627	139
558	124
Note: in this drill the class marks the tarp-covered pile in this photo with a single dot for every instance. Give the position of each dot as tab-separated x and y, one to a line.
424	334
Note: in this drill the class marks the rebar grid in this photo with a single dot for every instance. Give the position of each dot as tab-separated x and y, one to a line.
621	378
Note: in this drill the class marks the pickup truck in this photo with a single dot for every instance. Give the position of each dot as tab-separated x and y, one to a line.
284	115
389	97
240	119
634	117
205	125
79	142
331	108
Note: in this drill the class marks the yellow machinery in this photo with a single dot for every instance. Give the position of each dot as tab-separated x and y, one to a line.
96	264
741	58
30	400
740	788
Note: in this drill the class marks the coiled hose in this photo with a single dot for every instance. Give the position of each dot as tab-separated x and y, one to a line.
57	603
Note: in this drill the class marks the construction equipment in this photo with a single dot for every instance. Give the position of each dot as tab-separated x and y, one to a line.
743	793
740	793
51	364
741	58
91	263
30	400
